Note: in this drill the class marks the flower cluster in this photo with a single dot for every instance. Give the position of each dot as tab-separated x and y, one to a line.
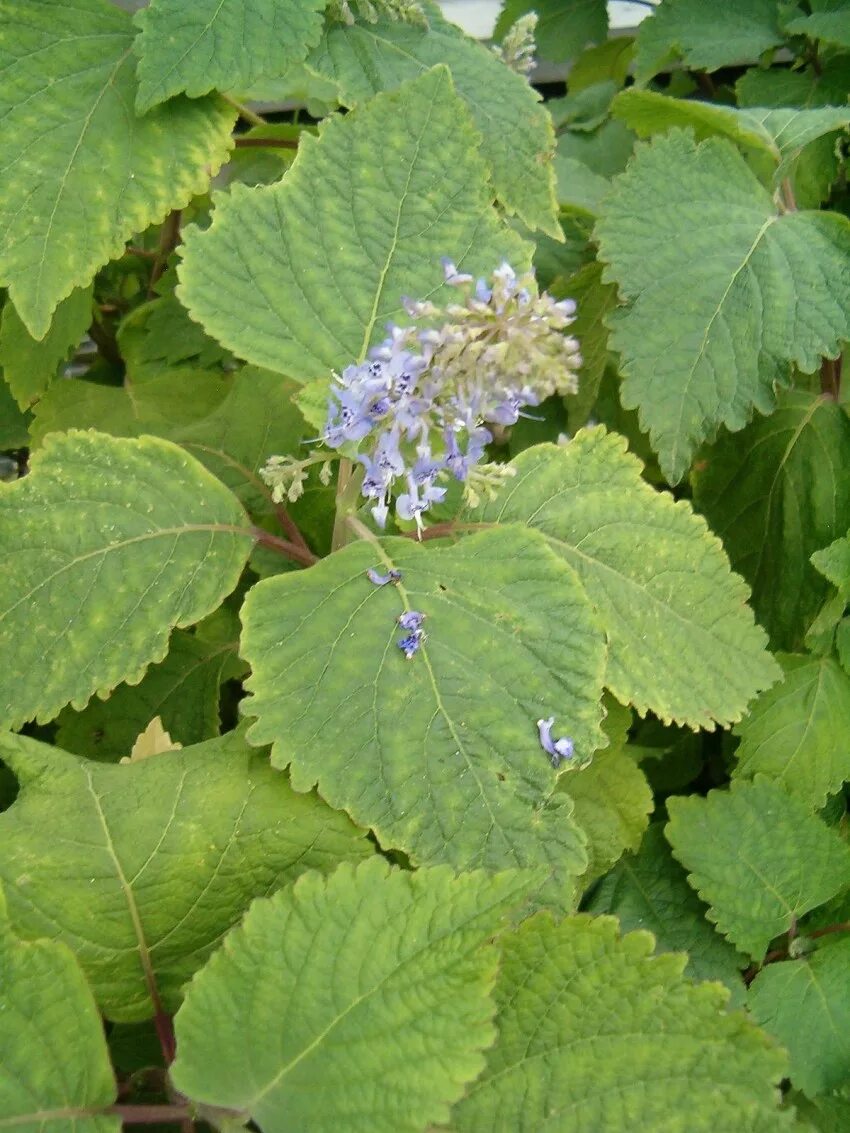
421	409
518	47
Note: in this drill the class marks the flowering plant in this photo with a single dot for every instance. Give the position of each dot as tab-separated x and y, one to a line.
425	518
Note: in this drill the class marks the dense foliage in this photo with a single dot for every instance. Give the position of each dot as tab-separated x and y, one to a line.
426	528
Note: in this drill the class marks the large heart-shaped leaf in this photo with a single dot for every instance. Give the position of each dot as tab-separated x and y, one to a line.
141	868
398	183
438	754
357	1002
109	544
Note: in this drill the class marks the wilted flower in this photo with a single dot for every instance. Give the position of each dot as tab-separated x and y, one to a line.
557	750
382	579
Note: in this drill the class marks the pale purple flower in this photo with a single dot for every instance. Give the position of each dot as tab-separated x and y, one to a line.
411	642
557	750
378	579
453	276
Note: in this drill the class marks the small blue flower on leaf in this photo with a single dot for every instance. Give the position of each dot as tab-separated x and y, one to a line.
411	642
558	750
382	579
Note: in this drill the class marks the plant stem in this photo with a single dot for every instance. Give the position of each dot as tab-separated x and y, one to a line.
169	237
360	528
788	198
105	342
298	554
266	143
347	492
149	1114
830	377
245	112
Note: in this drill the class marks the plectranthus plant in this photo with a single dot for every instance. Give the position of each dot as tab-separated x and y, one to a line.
425	520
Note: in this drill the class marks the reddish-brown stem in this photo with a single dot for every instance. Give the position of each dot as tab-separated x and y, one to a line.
298	554
266	143
778	954
830	377
291	528
164	1031
150	1114
842	926
143	252
169	236
106	345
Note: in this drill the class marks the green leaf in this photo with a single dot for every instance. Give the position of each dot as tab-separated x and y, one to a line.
232	425
609	61
758	857
796	733
686	651
612	798
141	867
829	22
833	562
162	406
564	27
183	690
110	545
82	174
159	335
814	170
579	189
775	494
805	1004
780	135
515	131
440	754
705	36
14	425
605	150
30	365
649	890
357	1002
201	45
264	283
772	291
826	1114
595	300
54	1066
596	1033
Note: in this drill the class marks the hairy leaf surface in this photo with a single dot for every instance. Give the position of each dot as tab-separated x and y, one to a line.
797	732
829	21
516	133
649	889
597	1035
805	1004
674	614
595	300
108	545
438	754
54	1065
772	291
758	857
81	172
357	1002
304	300
201	45
706	36
775	494
141	868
